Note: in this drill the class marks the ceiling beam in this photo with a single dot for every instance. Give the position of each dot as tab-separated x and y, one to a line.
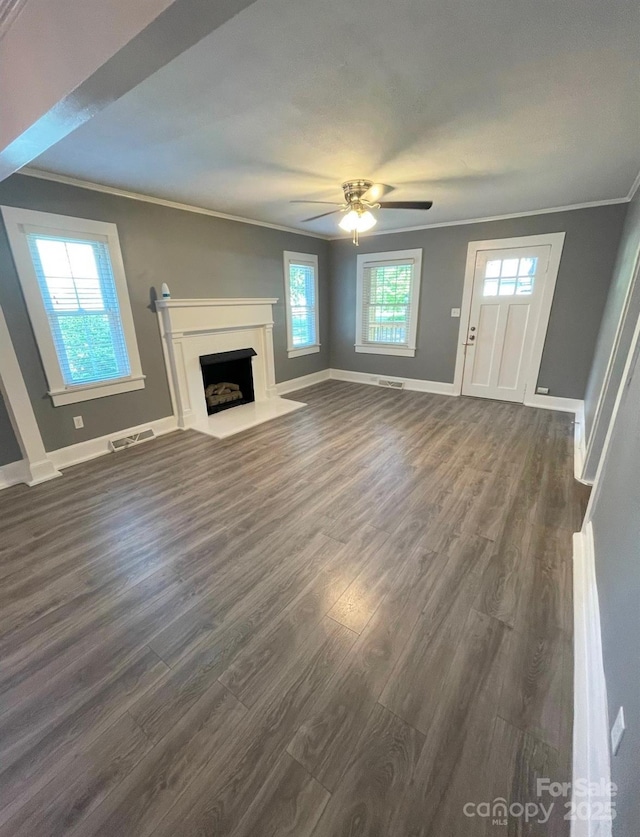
62	62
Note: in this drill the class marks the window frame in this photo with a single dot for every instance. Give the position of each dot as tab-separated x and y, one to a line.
289	258
18	223
391	256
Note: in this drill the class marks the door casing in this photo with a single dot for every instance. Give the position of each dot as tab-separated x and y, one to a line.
556	242
36	465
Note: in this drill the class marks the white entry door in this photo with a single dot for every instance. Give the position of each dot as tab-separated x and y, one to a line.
508	287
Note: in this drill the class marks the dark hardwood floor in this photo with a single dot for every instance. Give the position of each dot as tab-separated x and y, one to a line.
353	620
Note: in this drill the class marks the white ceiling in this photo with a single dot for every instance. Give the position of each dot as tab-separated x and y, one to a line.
486	107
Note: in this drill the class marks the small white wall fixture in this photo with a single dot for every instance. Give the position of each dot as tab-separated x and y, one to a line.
191	328
36	465
556	242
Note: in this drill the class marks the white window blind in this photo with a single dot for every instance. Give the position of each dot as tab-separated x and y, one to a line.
301	281
78	289
388	296
386	302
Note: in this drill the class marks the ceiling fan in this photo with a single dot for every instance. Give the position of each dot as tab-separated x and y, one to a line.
360	197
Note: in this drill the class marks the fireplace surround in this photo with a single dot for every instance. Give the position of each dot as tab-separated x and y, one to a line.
195	328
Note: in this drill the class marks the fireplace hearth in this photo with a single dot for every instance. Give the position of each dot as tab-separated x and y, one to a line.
227	379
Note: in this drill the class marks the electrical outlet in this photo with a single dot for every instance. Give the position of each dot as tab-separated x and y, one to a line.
455	312
542	390
78	422
617	731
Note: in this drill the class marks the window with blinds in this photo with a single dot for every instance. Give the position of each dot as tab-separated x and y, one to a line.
388	295
301	287
72	276
78	289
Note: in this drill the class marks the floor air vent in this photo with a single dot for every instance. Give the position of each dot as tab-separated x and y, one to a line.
384	382
135	439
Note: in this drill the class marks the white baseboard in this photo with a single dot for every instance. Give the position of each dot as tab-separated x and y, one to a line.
304	381
552	402
92	448
591	759
13	473
547	402
415	384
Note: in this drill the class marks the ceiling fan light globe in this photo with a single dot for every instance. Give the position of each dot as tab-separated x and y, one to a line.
349	221
366	221
357	221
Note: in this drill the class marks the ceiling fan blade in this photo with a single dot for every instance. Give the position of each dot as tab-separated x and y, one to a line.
377	191
328	203
406	204
323	215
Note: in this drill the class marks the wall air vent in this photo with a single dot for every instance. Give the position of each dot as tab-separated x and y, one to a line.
129	441
385	382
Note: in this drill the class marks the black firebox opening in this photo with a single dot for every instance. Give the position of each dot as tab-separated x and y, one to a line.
227	379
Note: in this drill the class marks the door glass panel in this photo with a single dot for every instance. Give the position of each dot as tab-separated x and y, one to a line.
507	286
490	287
510	267
526	276
527	267
492	269
525	285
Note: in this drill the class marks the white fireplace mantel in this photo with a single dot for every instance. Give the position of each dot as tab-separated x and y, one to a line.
191	328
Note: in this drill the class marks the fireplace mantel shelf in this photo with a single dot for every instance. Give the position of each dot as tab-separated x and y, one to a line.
191	303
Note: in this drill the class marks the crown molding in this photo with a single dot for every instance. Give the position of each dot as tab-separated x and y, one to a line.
569	208
634	188
123	193
137	196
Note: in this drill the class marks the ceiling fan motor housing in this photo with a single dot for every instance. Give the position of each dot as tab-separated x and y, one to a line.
355	189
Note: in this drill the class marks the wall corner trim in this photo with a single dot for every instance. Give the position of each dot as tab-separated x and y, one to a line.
579	446
29	473
92	448
591	759
35	466
634	188
414	384
303	381
13	473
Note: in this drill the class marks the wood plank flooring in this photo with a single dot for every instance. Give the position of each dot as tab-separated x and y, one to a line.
353	620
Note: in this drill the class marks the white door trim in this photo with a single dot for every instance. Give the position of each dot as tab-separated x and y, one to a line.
37	467
556	242
597	416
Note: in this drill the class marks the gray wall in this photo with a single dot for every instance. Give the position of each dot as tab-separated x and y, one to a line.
9	448
197	255
597	420
616	525
203	256
592	237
